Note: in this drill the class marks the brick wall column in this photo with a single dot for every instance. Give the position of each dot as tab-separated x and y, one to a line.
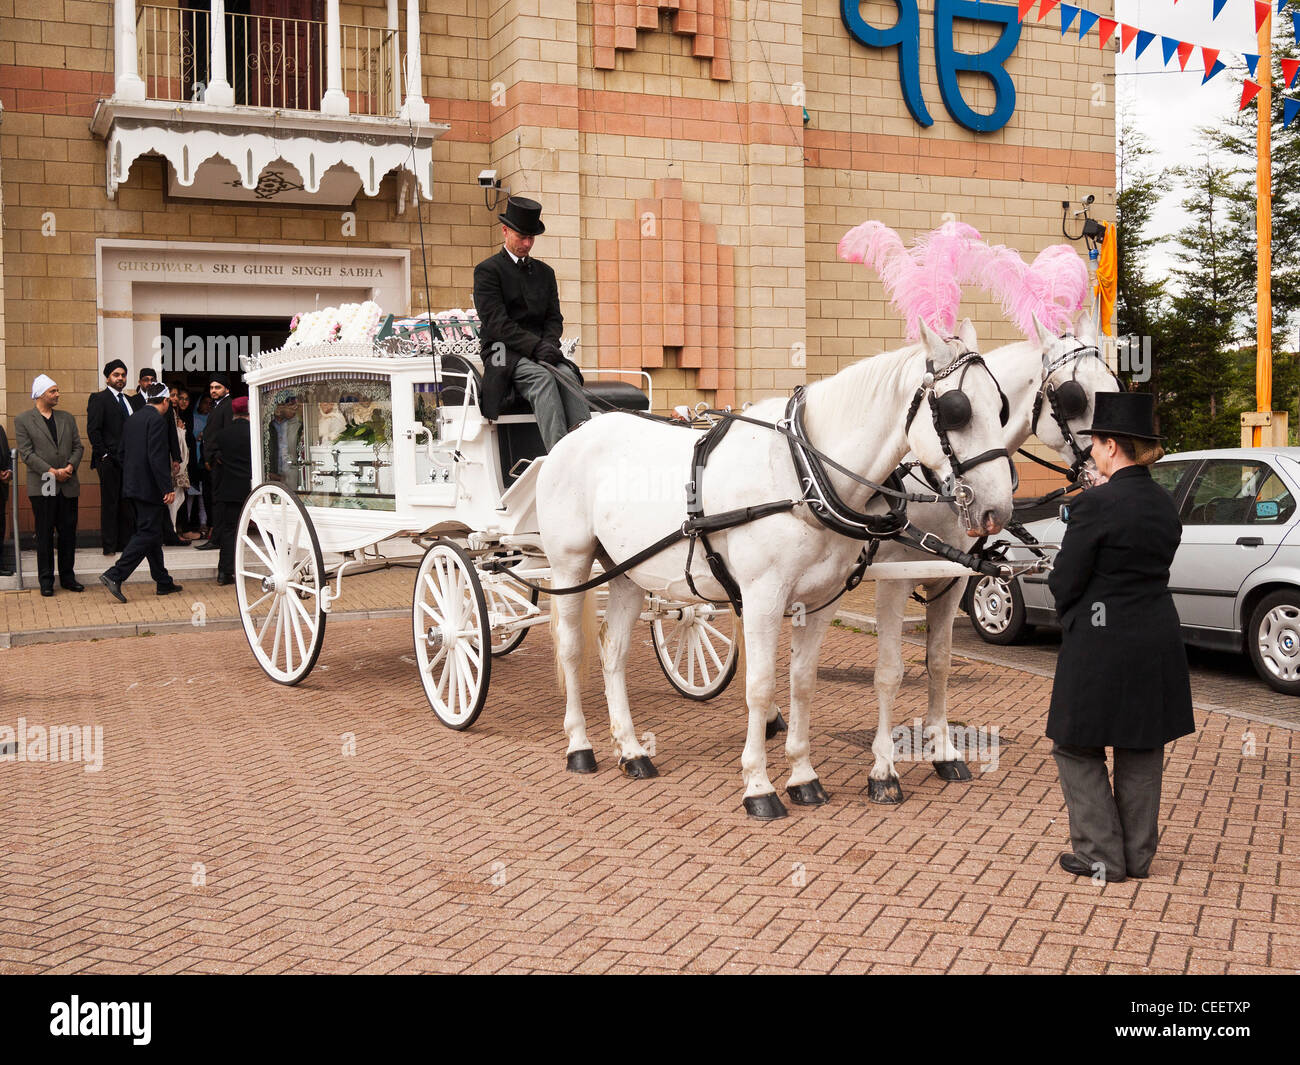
533	107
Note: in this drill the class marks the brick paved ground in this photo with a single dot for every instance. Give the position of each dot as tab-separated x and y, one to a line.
475	851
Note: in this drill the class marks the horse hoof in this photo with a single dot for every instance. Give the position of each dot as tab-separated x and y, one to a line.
954	770
776	725
765	807
809	793
638	768
581	761
886	792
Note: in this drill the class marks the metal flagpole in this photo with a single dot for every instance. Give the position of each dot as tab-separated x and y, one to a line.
1264	229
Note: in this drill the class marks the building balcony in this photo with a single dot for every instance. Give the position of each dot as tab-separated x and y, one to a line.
268	109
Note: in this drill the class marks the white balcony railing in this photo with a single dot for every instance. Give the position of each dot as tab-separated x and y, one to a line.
272	62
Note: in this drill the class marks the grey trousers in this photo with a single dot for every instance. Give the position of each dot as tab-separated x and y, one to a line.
557	408
1118	828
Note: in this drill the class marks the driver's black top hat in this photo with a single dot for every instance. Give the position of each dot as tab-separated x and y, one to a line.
1125	414
523	216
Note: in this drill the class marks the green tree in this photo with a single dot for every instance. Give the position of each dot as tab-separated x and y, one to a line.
1138	294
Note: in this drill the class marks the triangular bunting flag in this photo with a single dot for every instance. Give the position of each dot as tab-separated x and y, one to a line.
1185	49
1045	8
1126	35
1295	25
1289	109
1252	61
1212	71
1289	68
1261	13
1022	9
1218	6
1209	56
1248	92
1105	27
1087	20
1169	46
1144	38
1280	5
1068	13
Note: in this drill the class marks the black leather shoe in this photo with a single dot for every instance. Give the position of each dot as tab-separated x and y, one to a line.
114	587
209	546
109	551
73	585
1072	864
47	590
6	572
225	578
168	589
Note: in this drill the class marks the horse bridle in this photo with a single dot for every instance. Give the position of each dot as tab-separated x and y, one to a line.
1069	400
951	411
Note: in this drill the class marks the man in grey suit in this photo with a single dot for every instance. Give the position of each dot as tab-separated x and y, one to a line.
50	446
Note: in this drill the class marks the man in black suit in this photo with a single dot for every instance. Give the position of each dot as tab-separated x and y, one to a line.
106	415
147	479
6	478
147	378
518	303
218	418
1121	678
232	453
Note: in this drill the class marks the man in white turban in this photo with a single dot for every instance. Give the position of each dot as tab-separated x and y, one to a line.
50	446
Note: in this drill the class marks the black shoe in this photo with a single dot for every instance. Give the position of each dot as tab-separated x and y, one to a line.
5	572
211	545
168	589
114	587
73	585
109	551
1072	864
47	590
225	578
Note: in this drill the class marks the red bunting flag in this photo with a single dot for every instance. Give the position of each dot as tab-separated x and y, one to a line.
1248	92
1045	8
1105	27
1126	35
1209	56
1261	13
1184	53
1289	68
1022	9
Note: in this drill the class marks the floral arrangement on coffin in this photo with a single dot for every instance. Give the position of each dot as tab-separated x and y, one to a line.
350	323
373	432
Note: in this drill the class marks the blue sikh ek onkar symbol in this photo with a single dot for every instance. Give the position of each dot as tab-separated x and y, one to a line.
905	34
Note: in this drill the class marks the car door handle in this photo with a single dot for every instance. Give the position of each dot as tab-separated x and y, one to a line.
1250	541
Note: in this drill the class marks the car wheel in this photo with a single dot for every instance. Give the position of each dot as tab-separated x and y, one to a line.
997	610
1273	638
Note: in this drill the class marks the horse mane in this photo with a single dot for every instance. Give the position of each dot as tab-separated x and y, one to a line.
835	405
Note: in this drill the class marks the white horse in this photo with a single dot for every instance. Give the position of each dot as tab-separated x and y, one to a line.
1026	372
618	485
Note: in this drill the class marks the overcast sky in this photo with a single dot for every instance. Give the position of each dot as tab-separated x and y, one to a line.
1170	105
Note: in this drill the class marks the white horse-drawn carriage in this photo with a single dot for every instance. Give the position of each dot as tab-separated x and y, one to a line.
363	448
359	445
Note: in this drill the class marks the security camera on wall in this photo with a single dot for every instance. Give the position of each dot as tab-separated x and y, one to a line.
488	179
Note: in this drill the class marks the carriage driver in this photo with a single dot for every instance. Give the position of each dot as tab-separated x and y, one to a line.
518	303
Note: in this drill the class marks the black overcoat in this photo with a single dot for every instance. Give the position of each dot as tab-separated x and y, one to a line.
518	309
1121	678
232	453
146	463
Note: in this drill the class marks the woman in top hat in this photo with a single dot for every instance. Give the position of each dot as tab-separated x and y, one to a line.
518	303
1121	679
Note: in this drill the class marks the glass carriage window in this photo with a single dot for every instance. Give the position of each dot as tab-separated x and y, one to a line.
330	440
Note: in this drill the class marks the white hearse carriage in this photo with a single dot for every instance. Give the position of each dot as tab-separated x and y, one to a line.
364	445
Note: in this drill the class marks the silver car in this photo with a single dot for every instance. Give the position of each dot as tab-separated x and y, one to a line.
1235	578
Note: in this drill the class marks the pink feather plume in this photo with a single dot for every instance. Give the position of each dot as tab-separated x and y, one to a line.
921	282
1053	288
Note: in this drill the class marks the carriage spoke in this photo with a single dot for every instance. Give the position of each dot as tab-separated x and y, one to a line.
693	640
269	617
432	661
707	645
260	599
279	628
248	542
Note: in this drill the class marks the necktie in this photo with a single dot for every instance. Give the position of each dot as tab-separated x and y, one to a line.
126	407
525	265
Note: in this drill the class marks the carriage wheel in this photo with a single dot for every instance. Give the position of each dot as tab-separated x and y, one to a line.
279	578
698	652
452	640
508	603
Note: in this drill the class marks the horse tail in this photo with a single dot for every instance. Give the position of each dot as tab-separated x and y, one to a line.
590	641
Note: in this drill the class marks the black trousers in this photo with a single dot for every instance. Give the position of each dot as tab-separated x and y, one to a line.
224	530
116	515
6	559
145	543
55	515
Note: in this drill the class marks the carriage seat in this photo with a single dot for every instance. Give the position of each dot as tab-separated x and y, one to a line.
615	393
